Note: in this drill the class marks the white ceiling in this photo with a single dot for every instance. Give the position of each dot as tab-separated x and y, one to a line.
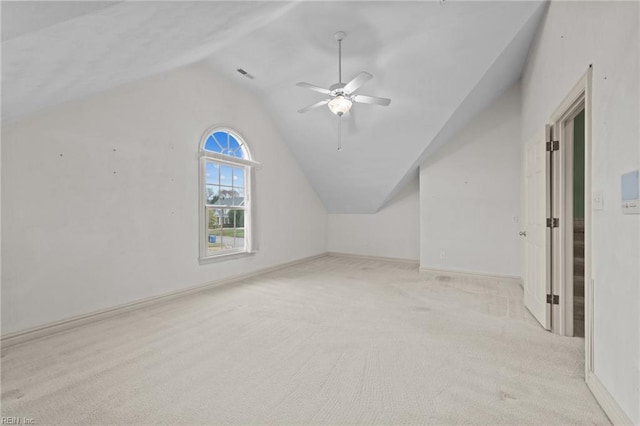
440	63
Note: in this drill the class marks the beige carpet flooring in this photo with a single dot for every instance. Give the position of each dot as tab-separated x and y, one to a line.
331	341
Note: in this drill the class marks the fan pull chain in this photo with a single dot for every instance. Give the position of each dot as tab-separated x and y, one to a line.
340	133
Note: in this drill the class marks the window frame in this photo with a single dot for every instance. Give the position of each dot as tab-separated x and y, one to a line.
249	167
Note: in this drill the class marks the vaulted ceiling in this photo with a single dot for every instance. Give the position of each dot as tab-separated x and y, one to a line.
439	62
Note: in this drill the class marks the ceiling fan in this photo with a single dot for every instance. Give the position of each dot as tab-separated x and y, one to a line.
342	95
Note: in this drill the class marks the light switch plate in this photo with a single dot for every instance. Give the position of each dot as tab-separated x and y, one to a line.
631	207
598	201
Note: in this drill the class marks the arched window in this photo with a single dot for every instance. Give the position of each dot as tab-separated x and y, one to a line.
227	143
226	175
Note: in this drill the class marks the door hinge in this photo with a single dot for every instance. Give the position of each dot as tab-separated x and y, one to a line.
553	222
553	299
553	146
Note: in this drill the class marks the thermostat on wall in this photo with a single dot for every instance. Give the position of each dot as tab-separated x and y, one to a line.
631	193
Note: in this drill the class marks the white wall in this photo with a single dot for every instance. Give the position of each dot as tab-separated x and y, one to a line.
100	197
390	232
470	194
605	34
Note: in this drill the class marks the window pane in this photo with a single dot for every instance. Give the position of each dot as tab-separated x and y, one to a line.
222	138
226	196
235	147
238	196
240	152
213	194
212	145
233	143
226	175
225	143
236	218
238	177
212	173
234	229
214	230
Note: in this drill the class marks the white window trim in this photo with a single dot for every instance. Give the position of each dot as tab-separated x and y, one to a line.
228	255
226	159
250	246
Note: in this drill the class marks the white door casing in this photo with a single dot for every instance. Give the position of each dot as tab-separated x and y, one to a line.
566	263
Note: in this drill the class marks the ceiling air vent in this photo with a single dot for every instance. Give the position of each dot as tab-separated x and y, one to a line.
246	74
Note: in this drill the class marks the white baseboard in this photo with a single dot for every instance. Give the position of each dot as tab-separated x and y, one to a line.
22	336
461	272
606	401
379	258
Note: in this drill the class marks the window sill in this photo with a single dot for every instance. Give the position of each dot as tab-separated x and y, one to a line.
226	256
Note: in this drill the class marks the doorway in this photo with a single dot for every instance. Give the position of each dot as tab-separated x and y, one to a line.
567	213
573	174
557	209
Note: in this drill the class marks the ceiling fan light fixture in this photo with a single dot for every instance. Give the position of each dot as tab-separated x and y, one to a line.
340	105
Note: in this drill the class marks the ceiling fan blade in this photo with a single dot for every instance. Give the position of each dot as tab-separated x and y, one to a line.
358	81
314	87
362	99
316	105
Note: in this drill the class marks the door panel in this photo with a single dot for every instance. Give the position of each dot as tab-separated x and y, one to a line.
535	242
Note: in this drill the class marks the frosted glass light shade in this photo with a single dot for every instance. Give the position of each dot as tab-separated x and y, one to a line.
339	105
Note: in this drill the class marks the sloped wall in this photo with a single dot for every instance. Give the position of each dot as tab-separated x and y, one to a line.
470	195
100	197
605	34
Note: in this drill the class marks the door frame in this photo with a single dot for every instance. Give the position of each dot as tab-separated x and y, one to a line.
567	138
580	96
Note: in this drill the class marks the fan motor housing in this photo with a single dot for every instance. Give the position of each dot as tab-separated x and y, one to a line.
337	89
